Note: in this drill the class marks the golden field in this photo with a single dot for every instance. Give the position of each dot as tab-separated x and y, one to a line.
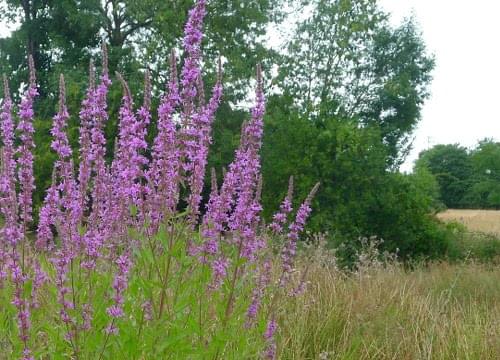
487	221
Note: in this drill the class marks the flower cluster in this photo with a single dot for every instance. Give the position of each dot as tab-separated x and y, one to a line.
90	211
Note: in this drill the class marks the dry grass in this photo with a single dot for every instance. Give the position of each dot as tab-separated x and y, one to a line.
487	221
386	312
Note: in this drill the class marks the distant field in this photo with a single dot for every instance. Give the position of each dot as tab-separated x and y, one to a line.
487	221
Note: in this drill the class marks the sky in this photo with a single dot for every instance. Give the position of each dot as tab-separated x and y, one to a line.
464	36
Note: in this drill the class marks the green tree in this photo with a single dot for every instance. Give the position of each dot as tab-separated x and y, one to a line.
451	165
485	178
347	61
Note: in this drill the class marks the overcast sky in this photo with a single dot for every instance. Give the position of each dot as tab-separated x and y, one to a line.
465	38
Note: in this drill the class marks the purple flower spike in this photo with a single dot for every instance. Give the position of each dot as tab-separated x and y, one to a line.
290	248
163	174
280	218
25	160
8	199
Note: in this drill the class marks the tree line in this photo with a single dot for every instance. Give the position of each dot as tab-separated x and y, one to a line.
467	178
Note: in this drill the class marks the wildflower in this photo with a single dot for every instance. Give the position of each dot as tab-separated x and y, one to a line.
270	352
98	147
290	248
87	112
11	231
280	218
263	281
39	279
120	282
25	160
163	174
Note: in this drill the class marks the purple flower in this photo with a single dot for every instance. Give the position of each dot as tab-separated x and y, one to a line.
120	283
25	160
129	161
289	250
163	174
280	218
264	278
11	231
271	328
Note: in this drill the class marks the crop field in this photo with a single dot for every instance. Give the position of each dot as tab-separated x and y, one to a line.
487	221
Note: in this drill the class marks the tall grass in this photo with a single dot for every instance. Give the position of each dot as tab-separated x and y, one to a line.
383	310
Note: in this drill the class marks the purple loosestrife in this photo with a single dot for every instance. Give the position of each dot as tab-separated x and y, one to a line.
87	112
202	122
196	120
290	249
263	281
120	282
70	195
211	235
281	217
47	216
25	159
39	279
270	352
248	164
63	192
241	180
98	216
61	261
23	309
8	199
143	120
191	72
163	174
129	161
60	143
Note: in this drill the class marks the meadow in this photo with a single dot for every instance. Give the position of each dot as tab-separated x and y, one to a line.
128	260
385	311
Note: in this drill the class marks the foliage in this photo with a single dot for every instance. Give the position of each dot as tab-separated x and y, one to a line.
467	178
485	189
358	197
476	245
172	310
451	166
64	35
344	108
346	61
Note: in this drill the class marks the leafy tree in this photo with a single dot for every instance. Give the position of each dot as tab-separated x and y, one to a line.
345	60
358	196
485	178
451	166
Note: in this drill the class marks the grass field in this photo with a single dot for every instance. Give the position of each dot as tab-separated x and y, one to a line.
440	311
487	221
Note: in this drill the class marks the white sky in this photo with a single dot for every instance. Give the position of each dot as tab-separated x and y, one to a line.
465	38
464	35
